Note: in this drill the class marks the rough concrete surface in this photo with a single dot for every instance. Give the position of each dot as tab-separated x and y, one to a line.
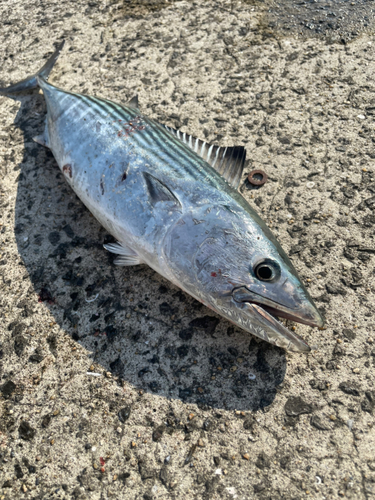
114	383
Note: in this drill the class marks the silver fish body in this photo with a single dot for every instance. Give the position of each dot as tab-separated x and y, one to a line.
159	194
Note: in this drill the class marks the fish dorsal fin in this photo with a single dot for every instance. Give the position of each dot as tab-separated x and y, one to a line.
127	256
158	191
228	161
133	103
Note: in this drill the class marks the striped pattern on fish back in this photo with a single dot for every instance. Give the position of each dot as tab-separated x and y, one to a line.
148	138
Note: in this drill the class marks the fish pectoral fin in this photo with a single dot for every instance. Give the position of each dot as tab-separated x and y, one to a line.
158	191
227	161
128	261
133	103
127	256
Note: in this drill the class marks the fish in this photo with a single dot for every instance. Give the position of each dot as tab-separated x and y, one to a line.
171	201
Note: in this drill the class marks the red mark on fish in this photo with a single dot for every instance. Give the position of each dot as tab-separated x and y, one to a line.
129	128
67	169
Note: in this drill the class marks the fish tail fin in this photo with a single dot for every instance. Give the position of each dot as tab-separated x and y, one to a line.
31	82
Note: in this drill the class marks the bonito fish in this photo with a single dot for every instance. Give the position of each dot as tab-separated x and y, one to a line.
171	202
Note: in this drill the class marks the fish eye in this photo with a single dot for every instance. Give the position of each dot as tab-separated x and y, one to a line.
267	270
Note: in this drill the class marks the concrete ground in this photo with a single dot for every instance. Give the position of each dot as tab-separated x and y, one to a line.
114	383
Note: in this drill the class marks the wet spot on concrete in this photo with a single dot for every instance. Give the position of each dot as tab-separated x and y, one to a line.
335	20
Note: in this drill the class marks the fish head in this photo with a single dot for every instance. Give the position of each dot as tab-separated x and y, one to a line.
228	259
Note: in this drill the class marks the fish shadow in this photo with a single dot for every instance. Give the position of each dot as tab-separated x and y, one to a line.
131	321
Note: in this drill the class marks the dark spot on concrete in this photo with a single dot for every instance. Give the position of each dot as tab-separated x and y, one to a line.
183	351
68	170
20	343
46	296
25	431
117	366
208	323
349	388
319	423
46	421
18	471
124	414
186	334
209	425
8	388
143	371
158	432
16	328
68	231
36	357
249	423
297	406
54	237
349	334
263	461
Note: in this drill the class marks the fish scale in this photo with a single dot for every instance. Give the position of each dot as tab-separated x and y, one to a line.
170	200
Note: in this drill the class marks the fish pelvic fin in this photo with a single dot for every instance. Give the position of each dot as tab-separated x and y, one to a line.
227	161
31	82
127	256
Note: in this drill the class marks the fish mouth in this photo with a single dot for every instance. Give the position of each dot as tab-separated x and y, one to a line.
304	312
266	312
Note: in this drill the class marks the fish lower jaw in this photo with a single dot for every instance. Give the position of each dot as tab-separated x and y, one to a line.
292	317
260	322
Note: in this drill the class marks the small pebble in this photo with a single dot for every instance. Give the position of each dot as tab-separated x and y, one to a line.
191	416
361	117
356	370
310	184
246	456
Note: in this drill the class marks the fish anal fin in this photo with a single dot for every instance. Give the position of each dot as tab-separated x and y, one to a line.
227	161
127	256
158	191
133	103
41	139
